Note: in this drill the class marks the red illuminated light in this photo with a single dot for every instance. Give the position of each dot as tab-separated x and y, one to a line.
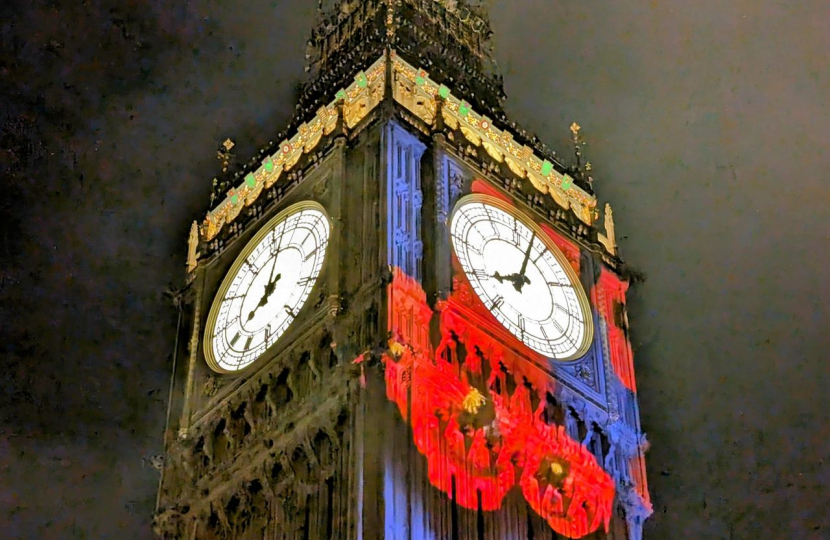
469	402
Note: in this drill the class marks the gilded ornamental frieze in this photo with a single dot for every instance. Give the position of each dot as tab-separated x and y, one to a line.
418	93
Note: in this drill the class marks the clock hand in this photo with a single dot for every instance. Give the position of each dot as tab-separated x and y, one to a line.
527	255
262	302
269	290
518	279
271	277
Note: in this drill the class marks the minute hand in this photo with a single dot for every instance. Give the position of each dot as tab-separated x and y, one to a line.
527	255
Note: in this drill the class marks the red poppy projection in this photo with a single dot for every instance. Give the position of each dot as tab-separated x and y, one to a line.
475	409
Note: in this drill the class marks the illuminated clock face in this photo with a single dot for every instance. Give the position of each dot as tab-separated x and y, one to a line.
522	278
266	287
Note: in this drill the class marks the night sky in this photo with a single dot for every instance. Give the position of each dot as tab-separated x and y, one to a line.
708	125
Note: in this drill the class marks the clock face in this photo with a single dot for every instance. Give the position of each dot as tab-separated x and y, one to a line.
522	278
266	287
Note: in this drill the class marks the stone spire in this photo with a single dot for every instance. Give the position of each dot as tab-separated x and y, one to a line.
451	39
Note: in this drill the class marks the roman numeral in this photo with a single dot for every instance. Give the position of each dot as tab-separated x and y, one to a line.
563	310
280	239
248	343
497	303
290	313
311	254
555	284
522	324
267	335
570	340
235	339
481	274
227	325
305	281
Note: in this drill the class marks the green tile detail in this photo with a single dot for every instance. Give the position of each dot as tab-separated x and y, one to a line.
566	183
269	166
464	108
361	79
341	95
420	80
234	199
250	180
443	91
547	167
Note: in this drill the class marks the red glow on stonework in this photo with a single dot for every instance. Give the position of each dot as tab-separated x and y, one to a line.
570	250
475	407
480	186
609	297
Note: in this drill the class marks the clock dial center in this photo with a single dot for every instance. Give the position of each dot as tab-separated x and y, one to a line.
271	288
525	292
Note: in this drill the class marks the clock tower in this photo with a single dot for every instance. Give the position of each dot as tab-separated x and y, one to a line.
405	318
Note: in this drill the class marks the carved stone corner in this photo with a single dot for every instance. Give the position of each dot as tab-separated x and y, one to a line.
334	305
211	386
192	248
584	372
321	189
341	139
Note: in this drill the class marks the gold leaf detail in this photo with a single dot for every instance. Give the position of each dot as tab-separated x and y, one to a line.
471	135
517	169
494	152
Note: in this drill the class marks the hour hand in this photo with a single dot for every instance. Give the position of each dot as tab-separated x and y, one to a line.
262	302
518	280
269	289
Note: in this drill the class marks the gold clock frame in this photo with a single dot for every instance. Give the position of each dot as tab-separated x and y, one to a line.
581	296
213	314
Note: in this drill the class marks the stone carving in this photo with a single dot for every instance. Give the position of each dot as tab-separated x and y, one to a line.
192	246
211	386
609	239
169	524
584	372
404	216
457	183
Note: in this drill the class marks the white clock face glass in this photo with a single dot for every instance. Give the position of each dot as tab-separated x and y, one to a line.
522	278
266	287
